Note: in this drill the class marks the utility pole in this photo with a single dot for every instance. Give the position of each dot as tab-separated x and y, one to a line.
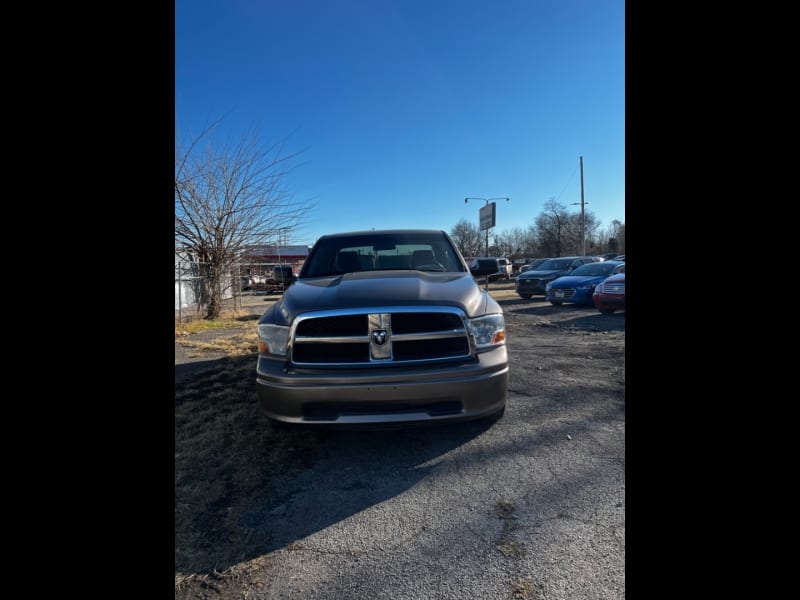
583	216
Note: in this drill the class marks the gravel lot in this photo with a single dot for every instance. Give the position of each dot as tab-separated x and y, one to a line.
532	507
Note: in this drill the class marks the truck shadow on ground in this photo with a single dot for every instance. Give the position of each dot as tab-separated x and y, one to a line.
595	322
570	316
243	488
252	317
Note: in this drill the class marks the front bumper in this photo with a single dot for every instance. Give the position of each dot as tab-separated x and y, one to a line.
609	301
530	286
384	395
571	295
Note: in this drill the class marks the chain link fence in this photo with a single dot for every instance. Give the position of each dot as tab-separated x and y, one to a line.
243	279
192	286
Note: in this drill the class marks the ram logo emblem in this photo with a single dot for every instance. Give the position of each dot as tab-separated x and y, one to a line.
379	336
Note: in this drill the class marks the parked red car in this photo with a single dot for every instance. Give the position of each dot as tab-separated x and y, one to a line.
609	295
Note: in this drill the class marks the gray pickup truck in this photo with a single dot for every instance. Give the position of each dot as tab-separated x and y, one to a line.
383	328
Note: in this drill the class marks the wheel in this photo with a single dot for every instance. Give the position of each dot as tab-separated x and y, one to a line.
526	296
555	303
606	311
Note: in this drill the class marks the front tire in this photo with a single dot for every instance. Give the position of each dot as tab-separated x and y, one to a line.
525	296
606	311
554	303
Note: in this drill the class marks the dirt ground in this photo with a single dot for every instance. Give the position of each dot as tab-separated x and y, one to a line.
228	460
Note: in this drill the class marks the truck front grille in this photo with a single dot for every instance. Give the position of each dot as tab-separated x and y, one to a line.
393	336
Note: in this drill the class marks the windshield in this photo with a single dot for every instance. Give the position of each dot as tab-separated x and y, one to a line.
596	269
555	264
381	251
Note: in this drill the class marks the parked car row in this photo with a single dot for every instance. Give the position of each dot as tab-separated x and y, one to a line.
575	279
578	286
282	276
534	281
507	269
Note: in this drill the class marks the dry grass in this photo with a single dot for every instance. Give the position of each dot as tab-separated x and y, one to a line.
507	544
504	509
226	454
227	320
218	436
239	344
523	590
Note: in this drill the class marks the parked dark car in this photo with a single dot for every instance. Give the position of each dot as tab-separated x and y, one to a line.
383	327
516	265
282	277
532	264
578	286
533	282
247	282
609	295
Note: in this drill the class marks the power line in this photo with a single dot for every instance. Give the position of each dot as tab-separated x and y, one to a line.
568	182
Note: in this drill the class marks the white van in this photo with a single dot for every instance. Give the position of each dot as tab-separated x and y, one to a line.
505	268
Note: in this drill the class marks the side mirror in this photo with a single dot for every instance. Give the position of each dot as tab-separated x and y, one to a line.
481	266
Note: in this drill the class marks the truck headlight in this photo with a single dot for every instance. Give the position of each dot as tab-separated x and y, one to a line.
272	339
488	331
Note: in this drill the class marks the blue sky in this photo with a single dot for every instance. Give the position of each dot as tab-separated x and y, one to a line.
402	108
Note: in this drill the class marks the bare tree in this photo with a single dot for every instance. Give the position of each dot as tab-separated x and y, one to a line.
469	238
551	228
518	242
614	237
592	229
621	238
228	198
556	232
571	234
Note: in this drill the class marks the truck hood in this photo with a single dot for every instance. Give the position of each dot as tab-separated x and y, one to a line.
381	289
568	281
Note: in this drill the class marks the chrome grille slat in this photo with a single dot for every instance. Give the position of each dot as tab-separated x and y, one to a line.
434	335
341	339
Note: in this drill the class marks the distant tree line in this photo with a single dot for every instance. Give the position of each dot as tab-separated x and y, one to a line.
555	232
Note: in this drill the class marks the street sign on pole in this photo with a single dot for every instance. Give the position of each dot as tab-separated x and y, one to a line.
487	215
